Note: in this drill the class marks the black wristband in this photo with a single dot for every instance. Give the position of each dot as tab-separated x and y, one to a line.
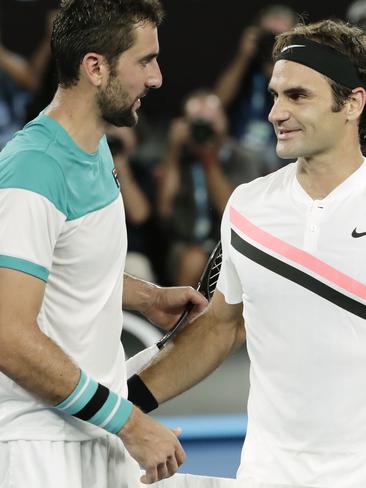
140	395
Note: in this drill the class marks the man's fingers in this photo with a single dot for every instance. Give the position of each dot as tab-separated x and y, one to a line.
180	455
172	465
150	476
198	299
199	304
177	431
163	471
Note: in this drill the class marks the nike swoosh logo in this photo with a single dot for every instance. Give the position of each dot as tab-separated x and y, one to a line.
291	47
357	234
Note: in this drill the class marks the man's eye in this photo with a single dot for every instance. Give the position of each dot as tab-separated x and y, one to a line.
297	96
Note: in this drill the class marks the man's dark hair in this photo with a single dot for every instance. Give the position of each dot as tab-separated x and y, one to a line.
102	26
345	38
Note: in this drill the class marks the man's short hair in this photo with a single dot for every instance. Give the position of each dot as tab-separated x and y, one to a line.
102	26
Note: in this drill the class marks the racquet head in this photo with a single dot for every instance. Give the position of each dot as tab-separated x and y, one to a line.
210	275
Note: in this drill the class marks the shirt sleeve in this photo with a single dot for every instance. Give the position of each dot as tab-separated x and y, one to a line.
32	199
228	283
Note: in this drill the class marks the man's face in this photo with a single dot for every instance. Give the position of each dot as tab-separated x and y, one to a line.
208	108
135	73
302	114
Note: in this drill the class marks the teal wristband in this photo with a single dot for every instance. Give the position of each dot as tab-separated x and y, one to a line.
94	403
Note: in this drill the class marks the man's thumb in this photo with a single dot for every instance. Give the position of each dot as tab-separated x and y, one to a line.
177	431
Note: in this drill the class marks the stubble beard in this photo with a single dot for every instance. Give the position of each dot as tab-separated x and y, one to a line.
114	105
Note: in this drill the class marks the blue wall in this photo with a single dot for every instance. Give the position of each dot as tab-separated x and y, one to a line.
212	443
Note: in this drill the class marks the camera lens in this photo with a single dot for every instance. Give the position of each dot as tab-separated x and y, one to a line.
201	131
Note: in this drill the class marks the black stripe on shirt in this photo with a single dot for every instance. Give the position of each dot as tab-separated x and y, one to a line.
297	276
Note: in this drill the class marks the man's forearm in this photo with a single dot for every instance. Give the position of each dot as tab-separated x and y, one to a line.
197	351
219	187
137	206
137	293
169	183
228	84
36	363
18	69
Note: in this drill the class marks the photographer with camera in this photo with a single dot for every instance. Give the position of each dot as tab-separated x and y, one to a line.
242	86
202	166
138	203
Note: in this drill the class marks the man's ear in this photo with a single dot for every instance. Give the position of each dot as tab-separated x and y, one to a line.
95	68
356	103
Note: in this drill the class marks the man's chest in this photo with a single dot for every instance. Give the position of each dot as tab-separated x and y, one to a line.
94	243
320	248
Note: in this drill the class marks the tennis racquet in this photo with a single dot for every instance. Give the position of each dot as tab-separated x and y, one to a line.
206	286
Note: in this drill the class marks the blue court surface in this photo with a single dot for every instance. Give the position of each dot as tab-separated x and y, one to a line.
212	443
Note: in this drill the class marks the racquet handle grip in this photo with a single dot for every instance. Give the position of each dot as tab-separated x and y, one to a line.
137	362
181	321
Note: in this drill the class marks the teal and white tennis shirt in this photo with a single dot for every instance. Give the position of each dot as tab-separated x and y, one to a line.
62	221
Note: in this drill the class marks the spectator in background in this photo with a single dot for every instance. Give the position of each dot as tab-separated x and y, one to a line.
293	270
242	86
201	168
138	207
21	77
356	13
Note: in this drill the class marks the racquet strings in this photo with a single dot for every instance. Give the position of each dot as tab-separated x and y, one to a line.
206	286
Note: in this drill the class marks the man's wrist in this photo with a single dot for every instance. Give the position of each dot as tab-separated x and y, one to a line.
128	428
174	151
210	160
139	295
140	395
92	402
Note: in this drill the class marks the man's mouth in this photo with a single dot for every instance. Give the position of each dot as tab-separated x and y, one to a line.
137	103
284	134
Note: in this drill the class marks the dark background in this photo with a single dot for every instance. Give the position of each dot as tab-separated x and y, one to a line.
197	39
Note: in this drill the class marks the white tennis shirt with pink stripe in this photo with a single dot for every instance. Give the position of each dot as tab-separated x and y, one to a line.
299	267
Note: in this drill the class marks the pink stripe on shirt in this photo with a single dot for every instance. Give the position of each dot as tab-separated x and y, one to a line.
297	255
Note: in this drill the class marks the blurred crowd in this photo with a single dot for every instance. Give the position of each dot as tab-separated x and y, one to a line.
174	196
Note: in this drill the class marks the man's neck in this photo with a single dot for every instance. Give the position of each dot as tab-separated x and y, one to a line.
76	112
319	176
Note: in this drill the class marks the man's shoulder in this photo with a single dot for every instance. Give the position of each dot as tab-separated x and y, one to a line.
265	185
26	165
33	141
33	148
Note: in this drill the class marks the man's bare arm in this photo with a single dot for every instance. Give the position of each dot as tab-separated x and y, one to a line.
161	305
197	351
27	355
39	365
228	83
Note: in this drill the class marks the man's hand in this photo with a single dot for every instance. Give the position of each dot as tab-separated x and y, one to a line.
155	447
249	41
179	134
208	153
161	306
167	305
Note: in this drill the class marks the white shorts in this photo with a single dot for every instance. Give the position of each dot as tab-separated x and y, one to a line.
96	463
195	481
